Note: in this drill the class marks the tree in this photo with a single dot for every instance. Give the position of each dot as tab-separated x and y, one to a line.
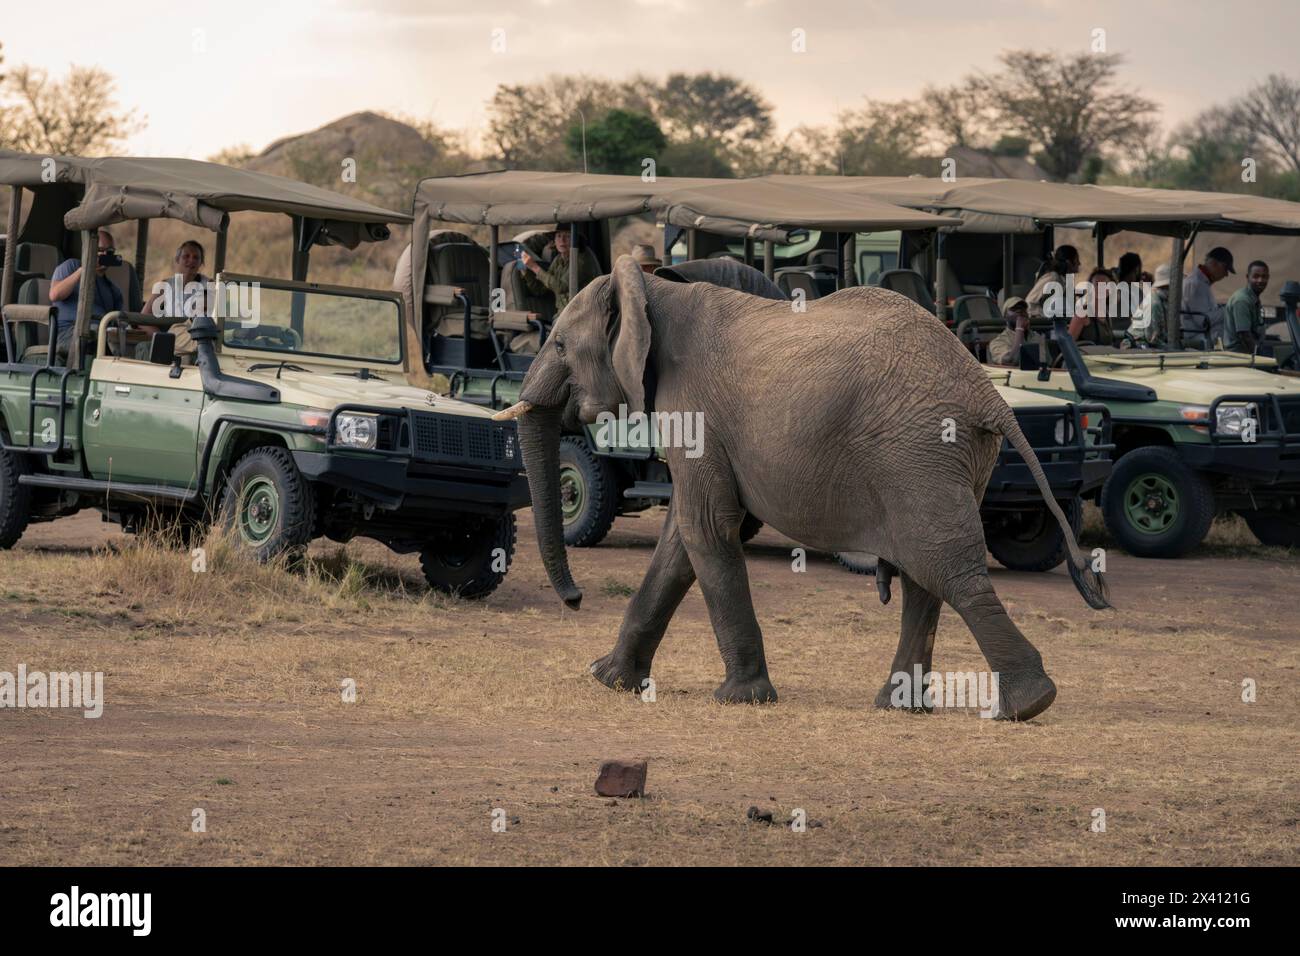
1270	113
881	139
958	115
619	142
77	115
694	107
529	123
1069	107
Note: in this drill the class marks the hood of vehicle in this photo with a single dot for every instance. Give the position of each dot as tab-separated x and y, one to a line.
1020	397
1191	385
325	389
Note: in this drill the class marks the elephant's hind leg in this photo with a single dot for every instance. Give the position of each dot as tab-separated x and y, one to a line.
1024	689
666	582
915	649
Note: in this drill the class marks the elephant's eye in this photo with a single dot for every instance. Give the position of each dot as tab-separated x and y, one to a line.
559	347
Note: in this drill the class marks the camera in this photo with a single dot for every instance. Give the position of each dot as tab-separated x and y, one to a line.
109	258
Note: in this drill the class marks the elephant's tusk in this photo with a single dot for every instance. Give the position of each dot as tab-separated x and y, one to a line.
517	410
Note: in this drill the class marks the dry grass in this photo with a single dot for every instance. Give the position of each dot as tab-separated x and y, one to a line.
235	675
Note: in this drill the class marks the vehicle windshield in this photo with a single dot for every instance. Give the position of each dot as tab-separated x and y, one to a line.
312	323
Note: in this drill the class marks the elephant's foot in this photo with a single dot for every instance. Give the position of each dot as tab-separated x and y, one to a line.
1024	694
755	690
892	697
618	673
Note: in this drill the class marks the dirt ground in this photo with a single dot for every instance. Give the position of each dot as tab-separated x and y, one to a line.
224	694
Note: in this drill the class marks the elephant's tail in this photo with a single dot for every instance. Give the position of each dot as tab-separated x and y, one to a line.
1090	583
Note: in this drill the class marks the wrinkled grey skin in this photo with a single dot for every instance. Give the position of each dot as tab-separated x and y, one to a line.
826	425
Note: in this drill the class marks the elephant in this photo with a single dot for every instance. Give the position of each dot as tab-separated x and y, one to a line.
862	424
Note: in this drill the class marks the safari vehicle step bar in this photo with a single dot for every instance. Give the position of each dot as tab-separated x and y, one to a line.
660	490
111	488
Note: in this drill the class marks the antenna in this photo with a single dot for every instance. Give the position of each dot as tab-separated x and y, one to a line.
584	140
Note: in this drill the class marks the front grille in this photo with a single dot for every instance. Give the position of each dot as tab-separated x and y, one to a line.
452	439
1290	416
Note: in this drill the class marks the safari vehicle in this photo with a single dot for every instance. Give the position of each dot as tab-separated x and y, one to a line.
1196	433
791	227
289	421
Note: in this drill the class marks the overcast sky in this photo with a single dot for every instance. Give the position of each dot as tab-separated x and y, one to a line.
251	71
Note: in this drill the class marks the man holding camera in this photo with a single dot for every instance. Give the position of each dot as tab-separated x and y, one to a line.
65	288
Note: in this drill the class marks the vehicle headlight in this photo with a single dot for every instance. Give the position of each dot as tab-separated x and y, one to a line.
1232	419
356	430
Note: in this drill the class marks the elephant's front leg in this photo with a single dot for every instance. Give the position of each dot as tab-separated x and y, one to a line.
915	652
665	584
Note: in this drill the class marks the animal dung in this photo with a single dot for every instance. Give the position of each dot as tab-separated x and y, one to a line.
621	778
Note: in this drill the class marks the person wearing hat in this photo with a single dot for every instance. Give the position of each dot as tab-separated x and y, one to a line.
645	257
1157	307
556	278
1243	319
1005	348
1201	319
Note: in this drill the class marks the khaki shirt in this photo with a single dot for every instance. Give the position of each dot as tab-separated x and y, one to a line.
1000	352
1242	314
556	278
1156	308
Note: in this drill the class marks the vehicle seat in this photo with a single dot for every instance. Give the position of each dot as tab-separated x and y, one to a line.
910	283
590	256
520	298
34	292
31	339
459	261
978	322
36	258
823	257
791	279
128	283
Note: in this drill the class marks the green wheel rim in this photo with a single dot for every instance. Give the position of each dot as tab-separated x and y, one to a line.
259	510
573	493
1151	503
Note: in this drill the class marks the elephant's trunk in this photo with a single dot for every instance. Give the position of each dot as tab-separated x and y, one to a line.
539	439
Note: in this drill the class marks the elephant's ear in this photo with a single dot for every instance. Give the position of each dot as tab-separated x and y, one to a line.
630	329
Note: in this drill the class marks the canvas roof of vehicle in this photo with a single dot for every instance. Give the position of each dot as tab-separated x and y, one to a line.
117	189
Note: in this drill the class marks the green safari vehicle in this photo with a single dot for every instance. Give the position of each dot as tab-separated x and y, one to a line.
288	418
1196	434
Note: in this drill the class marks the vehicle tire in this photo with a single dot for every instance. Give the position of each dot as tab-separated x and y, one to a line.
1031	540
268	506
859	562
749	527
1155	505
588	493
462	560
15	499
1280	529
